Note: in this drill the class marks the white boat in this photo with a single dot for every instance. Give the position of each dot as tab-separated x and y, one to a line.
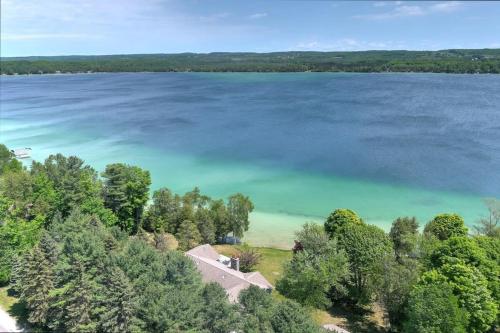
21	152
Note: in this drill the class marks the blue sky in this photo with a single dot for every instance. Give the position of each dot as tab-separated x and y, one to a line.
63	27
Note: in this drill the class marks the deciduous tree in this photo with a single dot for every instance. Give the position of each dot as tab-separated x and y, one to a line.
444	226
339	218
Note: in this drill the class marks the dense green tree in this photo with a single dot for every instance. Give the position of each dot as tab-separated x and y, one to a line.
462	249
490	246
465	250
239	207
16	237
205	224
444	226
471	289
17	188
8	162
288	316
316	272
219	315
339	218
163	213
79	303
366	247
74	182
220	217
36	284
44	197
188	235
403	234
256	300
313	238
309	278
432	308
125	193
120	304
393	285
257	306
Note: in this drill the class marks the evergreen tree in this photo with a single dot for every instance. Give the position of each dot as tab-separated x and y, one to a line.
219	315
37	283
126	191
120	304
78	303
188	235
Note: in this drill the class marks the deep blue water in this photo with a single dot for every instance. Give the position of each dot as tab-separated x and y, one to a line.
430	131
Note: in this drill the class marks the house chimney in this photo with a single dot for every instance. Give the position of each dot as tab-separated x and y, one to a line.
235	263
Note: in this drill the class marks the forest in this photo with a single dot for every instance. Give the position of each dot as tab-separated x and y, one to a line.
443	61
89	252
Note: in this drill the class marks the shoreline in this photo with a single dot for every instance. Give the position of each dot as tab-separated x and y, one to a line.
237	72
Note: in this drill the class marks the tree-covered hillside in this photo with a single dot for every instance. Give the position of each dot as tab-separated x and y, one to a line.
443	61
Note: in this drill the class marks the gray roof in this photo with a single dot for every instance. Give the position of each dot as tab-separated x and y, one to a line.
205	258
204	251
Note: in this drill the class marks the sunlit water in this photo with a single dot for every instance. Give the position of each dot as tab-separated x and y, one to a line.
300	145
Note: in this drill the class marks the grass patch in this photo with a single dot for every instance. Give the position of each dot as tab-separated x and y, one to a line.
11	304
7	301
271	263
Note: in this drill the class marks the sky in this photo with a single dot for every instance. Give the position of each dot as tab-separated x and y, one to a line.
66	27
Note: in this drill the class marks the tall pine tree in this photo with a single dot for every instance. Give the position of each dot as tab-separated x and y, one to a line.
37	282
78	302
120	304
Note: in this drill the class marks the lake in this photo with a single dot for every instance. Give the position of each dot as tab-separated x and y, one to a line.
299	144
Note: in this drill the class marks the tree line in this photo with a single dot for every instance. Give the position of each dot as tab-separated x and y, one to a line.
443	61
440	280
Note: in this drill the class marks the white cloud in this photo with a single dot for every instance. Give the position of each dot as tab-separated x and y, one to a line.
410	10
346	44
213	17
257	16
446	7
8	36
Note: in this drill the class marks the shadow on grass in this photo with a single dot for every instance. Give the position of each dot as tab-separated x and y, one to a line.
358	319
18	311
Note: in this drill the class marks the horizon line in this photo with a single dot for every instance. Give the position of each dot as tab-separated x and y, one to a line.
247	52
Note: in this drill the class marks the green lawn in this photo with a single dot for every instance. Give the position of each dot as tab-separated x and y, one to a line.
271	263
6	300
11	304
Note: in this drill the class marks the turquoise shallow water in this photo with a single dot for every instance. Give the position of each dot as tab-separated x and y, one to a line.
299	145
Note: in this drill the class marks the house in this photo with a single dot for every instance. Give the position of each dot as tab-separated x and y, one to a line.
225	271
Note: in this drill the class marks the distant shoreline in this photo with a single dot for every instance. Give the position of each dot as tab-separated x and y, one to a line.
234	72
463	61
